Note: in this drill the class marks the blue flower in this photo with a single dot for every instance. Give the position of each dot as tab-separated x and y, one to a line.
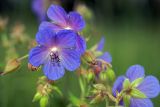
106	56
55	52
149	86
60	20
39	9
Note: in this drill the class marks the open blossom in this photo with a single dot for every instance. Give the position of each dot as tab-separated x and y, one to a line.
60	20
38	7
150	86
55	52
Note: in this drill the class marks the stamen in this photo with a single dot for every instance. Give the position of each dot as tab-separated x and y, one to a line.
54	56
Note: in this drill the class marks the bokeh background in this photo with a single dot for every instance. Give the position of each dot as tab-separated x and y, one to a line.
131	29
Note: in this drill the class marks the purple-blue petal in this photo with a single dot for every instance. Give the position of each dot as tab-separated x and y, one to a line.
117	86
39	9
66	39
106	57
80	44
45	37
57	14
101	44
70	59
141	102
49	25
134	72
150	87
53	71
38	56
76	21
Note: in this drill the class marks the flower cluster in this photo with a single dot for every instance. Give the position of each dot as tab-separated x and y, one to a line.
59	44
61	47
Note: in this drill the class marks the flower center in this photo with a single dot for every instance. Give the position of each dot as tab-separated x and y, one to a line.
54	49
68	28
54	55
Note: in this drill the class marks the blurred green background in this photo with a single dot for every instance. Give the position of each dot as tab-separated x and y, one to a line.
131	28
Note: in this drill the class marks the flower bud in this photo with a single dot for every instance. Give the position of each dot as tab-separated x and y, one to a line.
103	75
44	101
99	87
88	57
37	96
84	10
90	75
32	68
11	66
110	74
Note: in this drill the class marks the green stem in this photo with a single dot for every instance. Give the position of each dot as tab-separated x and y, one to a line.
107	103
22	58
111	97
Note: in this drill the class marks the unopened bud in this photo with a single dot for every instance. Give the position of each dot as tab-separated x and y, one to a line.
103	76
32	68
110	74
90	75
84	10
11	66
99	87
37	96
44	101
88	57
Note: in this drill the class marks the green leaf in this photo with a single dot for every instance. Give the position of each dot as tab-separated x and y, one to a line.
137	81
126	100
44	101
99	86
126	84
75	101
57	90
137	93
37	96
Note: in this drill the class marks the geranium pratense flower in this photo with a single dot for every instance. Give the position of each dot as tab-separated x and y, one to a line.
149	86
60	20
39	8
56	52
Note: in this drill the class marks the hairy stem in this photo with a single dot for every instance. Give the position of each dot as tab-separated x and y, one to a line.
22	58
